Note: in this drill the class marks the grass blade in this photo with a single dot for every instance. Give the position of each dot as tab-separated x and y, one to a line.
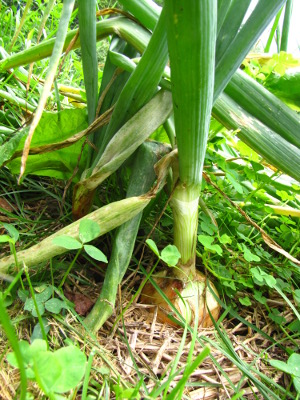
54	60
19	28
286	25
273	31
14	341
187	372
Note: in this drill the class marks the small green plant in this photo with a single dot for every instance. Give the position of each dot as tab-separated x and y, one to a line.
170	254
88	231
44	300
291	367
11	238
55	372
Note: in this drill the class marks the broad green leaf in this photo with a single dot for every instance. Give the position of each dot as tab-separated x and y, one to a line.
275	316
292	367
37	331
23	294
245	301
95	253
8	149
49	370
207	241
296	294
284	195
67	242
294	363
234	183
44	295
170	255
31	307
88	230
153	247
28	352
262	277
72	362
12	231
225	239
282	366
285	87
248	255
296	382
6	239
208	227
25	351
259	297
54	128
54	305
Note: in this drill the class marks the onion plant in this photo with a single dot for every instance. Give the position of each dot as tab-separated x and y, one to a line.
203	44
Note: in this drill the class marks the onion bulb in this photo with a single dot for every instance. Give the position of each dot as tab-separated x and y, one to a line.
183	295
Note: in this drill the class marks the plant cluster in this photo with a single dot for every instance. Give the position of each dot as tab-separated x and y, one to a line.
151	99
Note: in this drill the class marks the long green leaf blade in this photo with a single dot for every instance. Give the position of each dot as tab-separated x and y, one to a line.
112	83
123	144
259	137
125	28
54	60
87	32
141	180
245	39
223	7
146	11
264	106
231	26
286	25
191	39
142	84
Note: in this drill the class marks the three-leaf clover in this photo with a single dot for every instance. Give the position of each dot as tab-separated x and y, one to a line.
88	231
